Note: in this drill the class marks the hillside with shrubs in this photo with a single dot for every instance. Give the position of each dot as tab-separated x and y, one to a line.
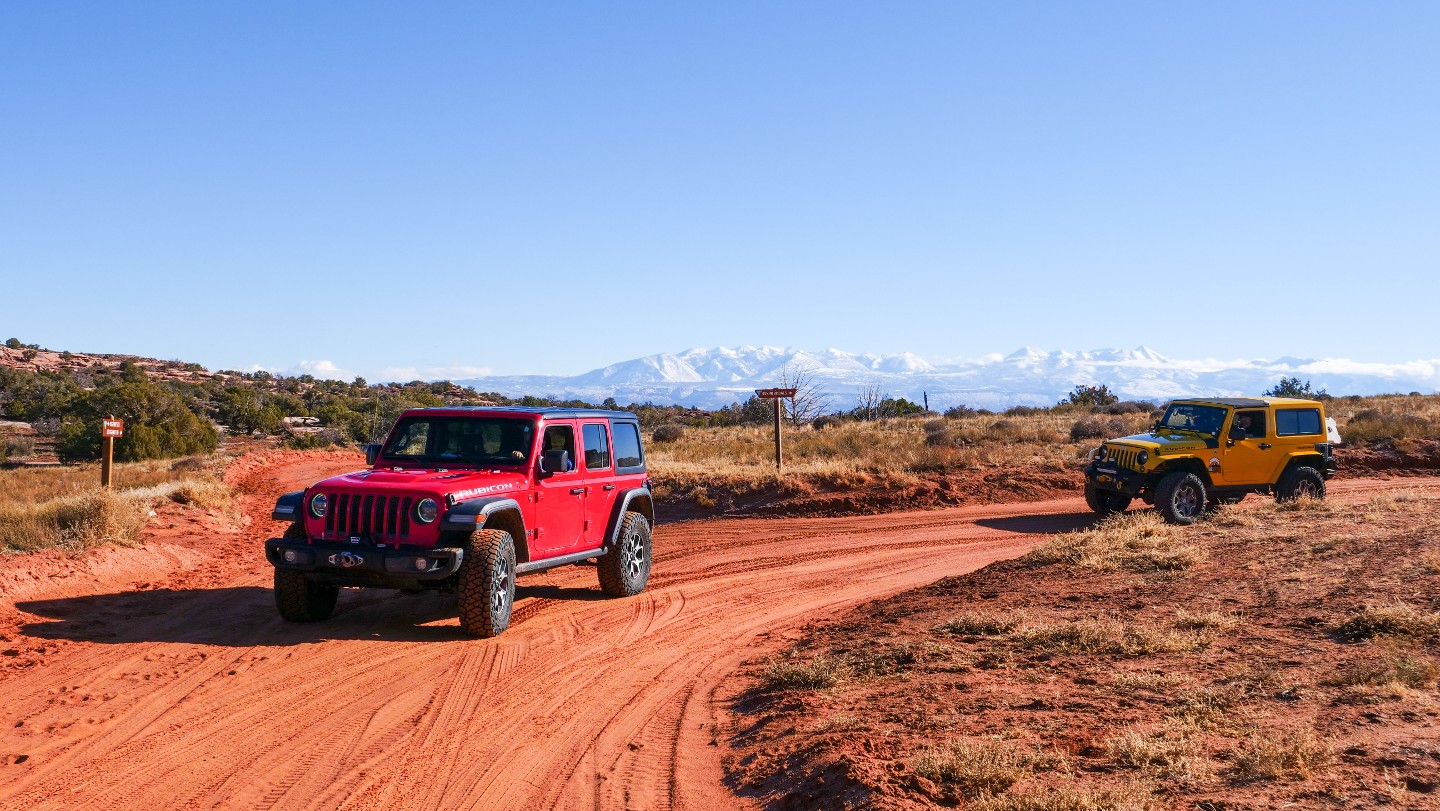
874	454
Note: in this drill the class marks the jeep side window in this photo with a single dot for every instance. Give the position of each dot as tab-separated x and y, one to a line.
1298	422
597	447
627	445
560	438
1248	425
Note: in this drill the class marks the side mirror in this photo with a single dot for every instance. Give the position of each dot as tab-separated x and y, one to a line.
372	452
552	462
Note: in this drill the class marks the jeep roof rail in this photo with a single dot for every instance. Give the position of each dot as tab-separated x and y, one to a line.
558	412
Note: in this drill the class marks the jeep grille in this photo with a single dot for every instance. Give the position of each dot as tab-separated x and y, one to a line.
1124	457
367	514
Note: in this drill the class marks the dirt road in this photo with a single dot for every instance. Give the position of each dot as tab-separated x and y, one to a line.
161	677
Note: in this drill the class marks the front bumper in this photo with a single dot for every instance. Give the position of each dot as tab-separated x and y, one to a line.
1114	479
348	564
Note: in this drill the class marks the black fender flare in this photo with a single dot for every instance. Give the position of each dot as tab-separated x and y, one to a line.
495	512
641	500
289	507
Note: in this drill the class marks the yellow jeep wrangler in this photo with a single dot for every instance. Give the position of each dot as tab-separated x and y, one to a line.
1207	452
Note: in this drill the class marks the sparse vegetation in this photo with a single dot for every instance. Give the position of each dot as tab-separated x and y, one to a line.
1135	541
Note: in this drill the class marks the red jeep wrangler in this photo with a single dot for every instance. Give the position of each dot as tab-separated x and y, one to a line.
464	499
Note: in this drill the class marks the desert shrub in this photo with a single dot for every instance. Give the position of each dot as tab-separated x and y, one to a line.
1090	396
73	522
1130	407
324	438
1391	667
158	424
1022	411
17	446
673	432
819	673
1372	425
1136	542
956	412
969	624
827	421
1090	428
1171	752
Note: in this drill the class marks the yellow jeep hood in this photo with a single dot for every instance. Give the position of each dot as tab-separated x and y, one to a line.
1163	442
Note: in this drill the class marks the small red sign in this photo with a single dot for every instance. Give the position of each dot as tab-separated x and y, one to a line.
115	428
774	394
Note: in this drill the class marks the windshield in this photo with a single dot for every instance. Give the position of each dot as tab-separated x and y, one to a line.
1188	417
475	440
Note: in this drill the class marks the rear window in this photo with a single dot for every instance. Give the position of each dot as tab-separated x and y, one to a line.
626	436
1298	422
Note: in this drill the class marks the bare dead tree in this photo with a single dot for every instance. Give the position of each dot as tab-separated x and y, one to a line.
870	402
810	401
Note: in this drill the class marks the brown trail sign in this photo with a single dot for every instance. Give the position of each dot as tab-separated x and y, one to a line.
110	429
777	395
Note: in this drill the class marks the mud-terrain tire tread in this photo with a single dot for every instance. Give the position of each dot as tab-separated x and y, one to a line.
489	556
1294	484
1105	503
1166	492
617	579
298	598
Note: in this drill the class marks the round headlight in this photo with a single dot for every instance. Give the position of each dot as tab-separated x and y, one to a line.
427	510
318	504
1100	454
1143	458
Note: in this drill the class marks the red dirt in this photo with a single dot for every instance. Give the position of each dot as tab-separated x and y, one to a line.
161	676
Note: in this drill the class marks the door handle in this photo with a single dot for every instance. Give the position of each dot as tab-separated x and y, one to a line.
608	487
1264	446
577	491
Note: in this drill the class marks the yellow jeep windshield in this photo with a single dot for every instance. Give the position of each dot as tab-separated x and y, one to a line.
1192	417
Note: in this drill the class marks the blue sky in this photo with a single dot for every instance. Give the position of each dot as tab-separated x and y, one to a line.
435	189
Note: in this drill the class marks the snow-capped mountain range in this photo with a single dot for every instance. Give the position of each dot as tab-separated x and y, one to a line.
712	378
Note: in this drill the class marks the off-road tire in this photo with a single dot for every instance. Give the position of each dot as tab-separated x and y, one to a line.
1298	482
1180	498
1104	502
487	582
626	569
299	598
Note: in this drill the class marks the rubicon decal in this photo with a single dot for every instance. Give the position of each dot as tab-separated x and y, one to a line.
462	495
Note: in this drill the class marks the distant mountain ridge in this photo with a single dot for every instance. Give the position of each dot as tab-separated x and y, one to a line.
712	378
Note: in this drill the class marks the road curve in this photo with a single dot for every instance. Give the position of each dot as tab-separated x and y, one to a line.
191	693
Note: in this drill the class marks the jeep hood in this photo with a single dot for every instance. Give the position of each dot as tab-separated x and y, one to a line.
462	484
1165	441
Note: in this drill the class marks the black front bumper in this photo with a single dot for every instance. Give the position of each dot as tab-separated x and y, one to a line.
1114	479
365	565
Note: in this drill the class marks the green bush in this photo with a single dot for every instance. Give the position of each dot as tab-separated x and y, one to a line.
157	424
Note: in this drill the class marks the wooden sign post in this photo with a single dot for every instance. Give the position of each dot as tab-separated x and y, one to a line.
777	395
110	428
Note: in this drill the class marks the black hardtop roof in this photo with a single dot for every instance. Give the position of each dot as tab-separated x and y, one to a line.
550	412
1247	402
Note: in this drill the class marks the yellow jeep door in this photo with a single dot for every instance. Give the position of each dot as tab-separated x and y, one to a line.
1248	454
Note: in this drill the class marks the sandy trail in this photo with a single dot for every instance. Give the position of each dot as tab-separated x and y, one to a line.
192	693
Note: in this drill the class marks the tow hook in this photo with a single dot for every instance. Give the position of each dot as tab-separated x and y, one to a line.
346	560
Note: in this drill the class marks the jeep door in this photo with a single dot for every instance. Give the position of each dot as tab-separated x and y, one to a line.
1249	456
560	508
600	488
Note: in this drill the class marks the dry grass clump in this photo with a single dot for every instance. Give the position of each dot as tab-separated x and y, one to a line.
1106	636
1066	799
972	624
1205	620
65	508
1136	542
977	768
1394	619
1390	668
72	522
1266	756
1172	752
818	673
